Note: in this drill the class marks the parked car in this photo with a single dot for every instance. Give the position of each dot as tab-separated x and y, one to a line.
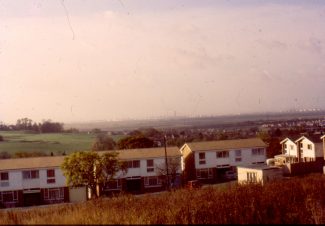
230	175
193	184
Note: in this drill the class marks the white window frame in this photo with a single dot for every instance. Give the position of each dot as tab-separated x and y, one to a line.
51	179
257	151
223	154
202	161
131	164
3	182
147	179
28	174
47	193
150	168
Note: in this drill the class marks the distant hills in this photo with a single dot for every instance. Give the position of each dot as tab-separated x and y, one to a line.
188	122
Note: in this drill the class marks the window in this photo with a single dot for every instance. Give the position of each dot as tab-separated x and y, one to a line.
53	193
222	154
237	155
291	147
30	174
251	177
4	179
114	184
150	167
204	173
50	176
9	196
258	151
309	146
301	145
202	158
134	164
152	181
285	145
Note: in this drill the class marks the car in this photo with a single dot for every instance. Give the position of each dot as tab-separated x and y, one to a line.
230	175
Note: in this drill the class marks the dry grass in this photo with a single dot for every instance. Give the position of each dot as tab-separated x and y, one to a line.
298	200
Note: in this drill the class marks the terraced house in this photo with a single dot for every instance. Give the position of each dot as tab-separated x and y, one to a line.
32	181
209	161
146	170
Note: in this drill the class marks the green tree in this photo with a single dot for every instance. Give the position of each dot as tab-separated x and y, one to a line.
135	142
103	142
90	169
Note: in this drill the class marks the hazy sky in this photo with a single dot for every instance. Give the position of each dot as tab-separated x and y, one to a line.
80	60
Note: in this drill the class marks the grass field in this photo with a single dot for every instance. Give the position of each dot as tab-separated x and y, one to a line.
293	201
15	141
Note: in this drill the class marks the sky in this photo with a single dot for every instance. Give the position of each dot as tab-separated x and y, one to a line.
87	60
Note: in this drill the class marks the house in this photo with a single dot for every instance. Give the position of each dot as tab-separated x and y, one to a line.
32	181
323	142
209	161
302	149
310	149
258	174
146	170
289	151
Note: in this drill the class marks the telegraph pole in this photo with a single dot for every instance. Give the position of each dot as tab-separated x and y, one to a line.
166	163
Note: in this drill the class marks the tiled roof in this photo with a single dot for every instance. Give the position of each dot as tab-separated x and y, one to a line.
30	163
145	153
226	144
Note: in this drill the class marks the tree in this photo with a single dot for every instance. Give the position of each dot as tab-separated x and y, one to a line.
173	169
51	127
135	142
90	169
103	142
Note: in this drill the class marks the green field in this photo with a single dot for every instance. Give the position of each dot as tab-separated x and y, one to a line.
16	141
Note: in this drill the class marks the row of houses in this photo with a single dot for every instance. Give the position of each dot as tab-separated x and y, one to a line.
40	180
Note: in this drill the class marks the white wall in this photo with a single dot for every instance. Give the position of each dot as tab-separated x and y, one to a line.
288	151
213	161
142	171
16	181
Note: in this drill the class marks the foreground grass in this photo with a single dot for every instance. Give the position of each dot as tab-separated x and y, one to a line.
298	200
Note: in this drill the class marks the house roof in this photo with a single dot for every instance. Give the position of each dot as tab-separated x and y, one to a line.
314	139
30	163
56	161
226	144
145	153
322	137
292	138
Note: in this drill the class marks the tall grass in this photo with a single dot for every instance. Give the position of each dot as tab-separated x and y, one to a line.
297	200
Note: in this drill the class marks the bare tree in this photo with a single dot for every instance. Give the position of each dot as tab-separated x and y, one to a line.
174	166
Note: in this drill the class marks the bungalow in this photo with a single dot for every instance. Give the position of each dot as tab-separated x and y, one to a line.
32	181
258	174
209	161
146	170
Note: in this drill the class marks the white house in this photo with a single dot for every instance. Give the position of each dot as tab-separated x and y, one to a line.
146	170
210	160
310	148
32	181
258	174
302	149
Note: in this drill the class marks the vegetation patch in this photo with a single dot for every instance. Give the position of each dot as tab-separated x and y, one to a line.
293	201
